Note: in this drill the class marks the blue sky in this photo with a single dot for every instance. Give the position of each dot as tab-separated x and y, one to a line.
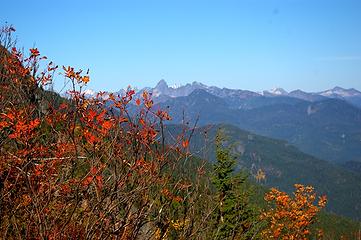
248	44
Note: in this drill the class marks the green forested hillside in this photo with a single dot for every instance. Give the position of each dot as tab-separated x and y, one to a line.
285	165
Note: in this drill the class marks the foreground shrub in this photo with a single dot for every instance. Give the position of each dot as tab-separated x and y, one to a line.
87	168
291	218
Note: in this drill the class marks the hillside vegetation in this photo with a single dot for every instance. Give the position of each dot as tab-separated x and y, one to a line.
283	165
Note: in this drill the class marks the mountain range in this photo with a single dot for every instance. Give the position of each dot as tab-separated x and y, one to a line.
162	92
326	124
237	98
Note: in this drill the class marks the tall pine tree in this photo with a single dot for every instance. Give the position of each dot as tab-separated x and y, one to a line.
234	217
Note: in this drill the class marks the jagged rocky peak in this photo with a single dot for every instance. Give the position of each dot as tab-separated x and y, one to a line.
162	85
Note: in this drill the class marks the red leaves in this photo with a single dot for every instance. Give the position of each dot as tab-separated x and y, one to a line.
65	189
34	52
131	92
93	170
39	170
86	181
94	174
91	115
6	120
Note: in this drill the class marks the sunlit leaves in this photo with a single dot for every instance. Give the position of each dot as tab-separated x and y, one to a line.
75	76
291	218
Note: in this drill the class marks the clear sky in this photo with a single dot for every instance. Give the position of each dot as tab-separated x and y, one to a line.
248	44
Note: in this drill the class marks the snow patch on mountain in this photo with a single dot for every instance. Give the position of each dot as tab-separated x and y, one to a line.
340	92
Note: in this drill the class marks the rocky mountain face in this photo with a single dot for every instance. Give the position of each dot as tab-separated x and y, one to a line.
238	98
163	92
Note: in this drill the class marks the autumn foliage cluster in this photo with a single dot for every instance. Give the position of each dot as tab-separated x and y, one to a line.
99	168
291	218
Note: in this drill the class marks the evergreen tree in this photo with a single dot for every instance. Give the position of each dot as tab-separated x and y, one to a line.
234	217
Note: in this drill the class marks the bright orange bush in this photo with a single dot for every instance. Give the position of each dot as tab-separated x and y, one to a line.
291	218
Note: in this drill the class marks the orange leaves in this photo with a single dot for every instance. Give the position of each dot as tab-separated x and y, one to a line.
25	200
185	143
163	115
69	72
148	102
85	79
6	120
72	75
95	125
34	123
20	126
90	115
137	102
90	137
168	194
107	125
24	70
291	217
322	201
260	175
